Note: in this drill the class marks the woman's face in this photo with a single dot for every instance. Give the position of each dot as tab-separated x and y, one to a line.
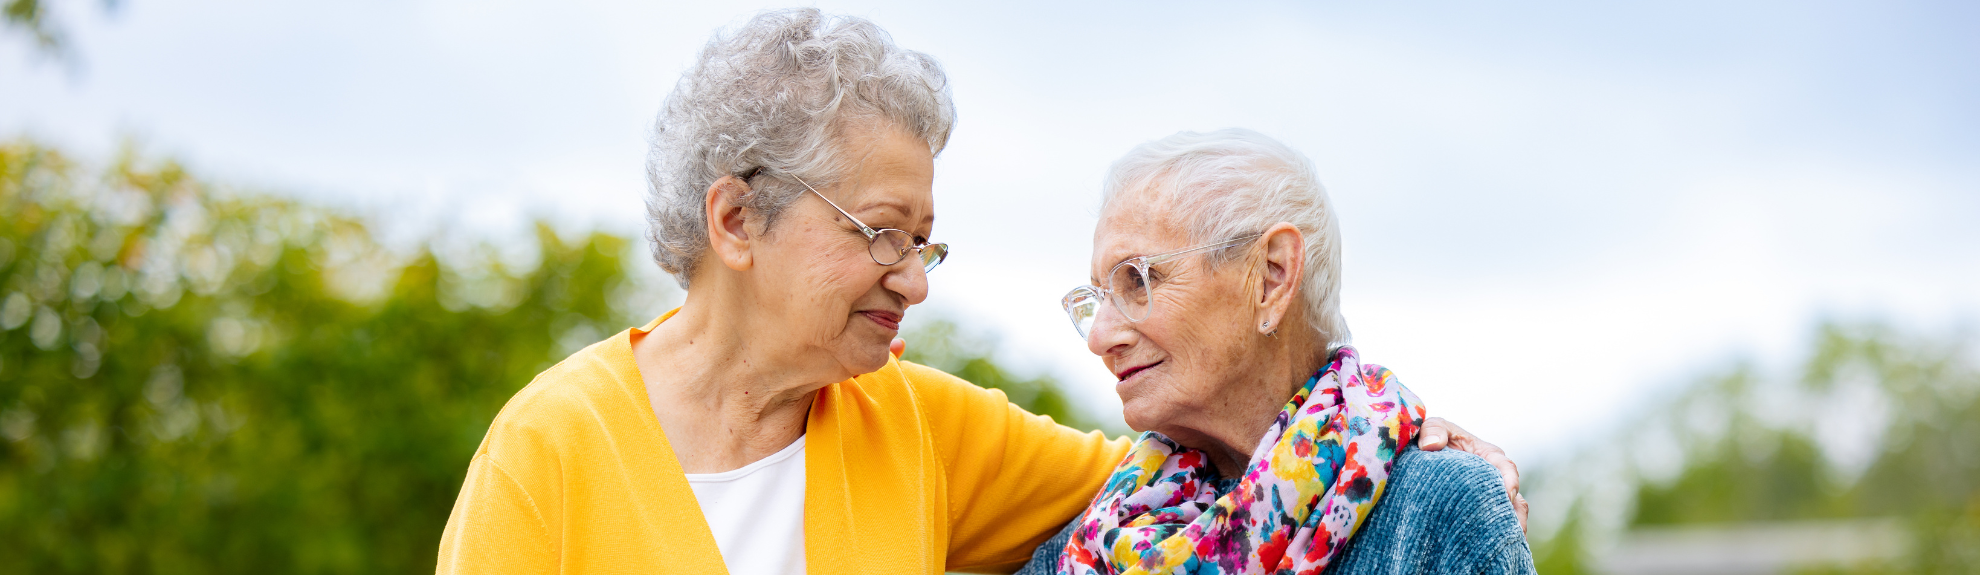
1184	364
813	266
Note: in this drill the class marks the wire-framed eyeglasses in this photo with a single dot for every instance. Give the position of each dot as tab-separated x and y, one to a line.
887	246
1128	287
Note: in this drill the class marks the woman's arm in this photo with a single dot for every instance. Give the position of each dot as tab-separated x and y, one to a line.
1439	432
1441	513
1013	478
495	527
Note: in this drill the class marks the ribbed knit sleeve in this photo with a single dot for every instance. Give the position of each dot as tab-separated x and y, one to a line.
1445	512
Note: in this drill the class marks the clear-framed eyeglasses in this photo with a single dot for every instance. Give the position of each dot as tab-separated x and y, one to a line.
887	246
1128	287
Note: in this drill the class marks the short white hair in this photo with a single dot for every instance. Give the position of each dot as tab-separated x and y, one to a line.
779	95
1234	182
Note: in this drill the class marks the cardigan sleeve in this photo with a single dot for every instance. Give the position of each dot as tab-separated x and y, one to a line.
496	527
1013	478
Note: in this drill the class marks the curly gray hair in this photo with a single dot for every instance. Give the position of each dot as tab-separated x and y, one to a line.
1233	182
780	94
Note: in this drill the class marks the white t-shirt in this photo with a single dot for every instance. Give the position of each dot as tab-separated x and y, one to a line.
757	513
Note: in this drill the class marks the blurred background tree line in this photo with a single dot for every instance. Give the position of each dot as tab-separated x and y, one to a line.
200	379
196	379
1876	424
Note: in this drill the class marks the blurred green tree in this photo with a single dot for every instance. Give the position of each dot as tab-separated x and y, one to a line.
192	381
1752	452
31	17
35	19
200	380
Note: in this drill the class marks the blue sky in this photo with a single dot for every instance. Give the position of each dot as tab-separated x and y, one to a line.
1552	210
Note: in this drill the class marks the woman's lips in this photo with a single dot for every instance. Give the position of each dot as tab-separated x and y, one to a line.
1125	386
1134	370
889	320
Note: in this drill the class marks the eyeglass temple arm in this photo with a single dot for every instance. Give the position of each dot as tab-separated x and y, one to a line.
1159	258
863	228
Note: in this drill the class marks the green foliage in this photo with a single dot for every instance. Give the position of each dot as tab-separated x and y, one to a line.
193	382
36	20
1754	452
197	381
31	17
1564	554
1740	468
1786	482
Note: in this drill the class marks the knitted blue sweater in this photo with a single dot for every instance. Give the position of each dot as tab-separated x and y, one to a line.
1444	512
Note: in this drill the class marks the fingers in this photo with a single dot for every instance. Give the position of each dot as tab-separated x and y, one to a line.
1435	434
1464	441
1508	471
1509	474
897	347
1439	433
1519	508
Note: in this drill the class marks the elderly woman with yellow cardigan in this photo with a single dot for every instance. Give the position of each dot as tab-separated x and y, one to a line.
763	426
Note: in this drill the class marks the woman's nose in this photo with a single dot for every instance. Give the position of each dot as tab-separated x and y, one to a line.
908	279
1110	331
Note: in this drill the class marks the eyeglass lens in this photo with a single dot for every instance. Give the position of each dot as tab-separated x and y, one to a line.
889	246
1128	290
1082	305
1129	285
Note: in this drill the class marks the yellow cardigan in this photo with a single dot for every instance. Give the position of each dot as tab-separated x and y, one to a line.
907	470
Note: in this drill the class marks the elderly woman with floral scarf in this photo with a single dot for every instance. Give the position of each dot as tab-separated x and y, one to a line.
1267	445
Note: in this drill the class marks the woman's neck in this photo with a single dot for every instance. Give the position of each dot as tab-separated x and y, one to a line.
1241	421
722	398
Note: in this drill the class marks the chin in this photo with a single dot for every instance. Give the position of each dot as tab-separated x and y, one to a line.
1138	417
863	362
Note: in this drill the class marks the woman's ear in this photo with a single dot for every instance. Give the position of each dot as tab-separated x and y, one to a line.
1281	270
728	230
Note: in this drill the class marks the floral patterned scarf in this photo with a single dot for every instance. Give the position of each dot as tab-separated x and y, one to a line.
1312	480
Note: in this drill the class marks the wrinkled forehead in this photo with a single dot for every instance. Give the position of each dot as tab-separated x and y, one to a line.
894	173
895	194
1137	221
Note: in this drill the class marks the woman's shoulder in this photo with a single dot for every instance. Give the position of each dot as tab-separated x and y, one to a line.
1441	512
1447	485
940	394
931	389
586	391
928	380
1447	473
587	376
